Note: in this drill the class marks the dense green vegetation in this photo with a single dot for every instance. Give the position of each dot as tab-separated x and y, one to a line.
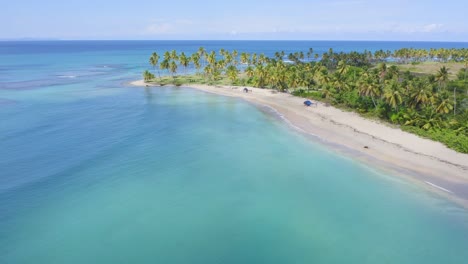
431	105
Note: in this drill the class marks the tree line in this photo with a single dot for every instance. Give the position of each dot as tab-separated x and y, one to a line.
370	83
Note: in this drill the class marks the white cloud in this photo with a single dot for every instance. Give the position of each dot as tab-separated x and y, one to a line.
163	26
432	27
276	28
411	28
159	28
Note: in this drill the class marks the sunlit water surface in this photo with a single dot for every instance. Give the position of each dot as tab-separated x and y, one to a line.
95	171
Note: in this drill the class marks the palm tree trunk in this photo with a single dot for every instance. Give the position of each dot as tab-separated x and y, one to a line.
373	101
159	74
465	74
464	83
454	100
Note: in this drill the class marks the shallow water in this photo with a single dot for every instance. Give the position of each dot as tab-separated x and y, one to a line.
94	171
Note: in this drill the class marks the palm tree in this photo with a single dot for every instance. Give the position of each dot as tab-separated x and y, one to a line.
392	94
228	58
382	67
174	55
232	73
306	79
222	52
184	61
201	54
340	82
254	59
278	76
234	55
393	72
164	65
154	61
210	65
444	106
208	71
309	53
293	78
454	100
216	73
249	71
147	76
196	61
244	58
465	63
301	56
442	76
173	68
426	121
342	68
220	65
278	55
260	74
420	97
327	92
167	55
367	87
211	58
262	59
321	75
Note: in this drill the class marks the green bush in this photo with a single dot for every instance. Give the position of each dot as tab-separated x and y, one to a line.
348	98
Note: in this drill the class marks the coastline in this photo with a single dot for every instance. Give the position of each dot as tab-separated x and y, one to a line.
428	163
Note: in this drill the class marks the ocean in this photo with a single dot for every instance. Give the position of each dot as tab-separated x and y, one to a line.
93	170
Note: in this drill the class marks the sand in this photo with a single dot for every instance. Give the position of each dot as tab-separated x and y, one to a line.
428	163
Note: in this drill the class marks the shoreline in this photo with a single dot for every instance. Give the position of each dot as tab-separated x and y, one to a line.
429	163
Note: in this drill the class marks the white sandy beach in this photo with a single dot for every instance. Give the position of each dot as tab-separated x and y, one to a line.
427	162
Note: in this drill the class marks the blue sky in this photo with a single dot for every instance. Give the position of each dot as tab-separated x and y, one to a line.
416	20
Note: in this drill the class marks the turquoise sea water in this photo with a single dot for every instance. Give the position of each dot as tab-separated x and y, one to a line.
95	171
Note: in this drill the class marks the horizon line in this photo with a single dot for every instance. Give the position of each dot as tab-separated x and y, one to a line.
285	40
